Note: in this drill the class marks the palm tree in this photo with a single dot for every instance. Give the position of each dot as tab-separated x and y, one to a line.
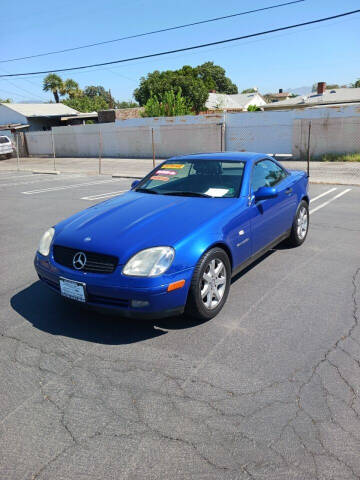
53	83
71	88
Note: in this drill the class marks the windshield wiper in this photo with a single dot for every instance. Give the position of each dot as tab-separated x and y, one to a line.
189	194
146	190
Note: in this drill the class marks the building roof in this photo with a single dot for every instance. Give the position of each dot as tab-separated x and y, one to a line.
333	96
41	109
221	101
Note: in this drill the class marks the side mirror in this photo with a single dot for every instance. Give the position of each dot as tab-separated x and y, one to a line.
265	192
134	184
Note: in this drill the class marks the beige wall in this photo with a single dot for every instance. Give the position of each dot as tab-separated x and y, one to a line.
327	135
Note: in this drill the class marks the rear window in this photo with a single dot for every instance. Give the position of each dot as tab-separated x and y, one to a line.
4	140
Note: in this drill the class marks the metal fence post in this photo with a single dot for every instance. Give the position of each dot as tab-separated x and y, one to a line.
53	148
17	151
308	149
100	150
153	146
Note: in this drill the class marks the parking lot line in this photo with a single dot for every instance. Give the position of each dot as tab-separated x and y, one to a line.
65	187
323	194
322	205
103	195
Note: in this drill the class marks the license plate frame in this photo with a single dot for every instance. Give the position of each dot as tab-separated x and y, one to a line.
73	289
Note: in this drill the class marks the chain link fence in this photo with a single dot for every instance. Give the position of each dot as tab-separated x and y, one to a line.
327	149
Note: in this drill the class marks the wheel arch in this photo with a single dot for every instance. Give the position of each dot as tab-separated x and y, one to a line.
306	199
224	247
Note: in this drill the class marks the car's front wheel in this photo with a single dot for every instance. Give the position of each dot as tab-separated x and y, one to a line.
210	285
300	225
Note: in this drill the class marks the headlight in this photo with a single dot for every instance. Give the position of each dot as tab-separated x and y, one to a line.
45	242
150	262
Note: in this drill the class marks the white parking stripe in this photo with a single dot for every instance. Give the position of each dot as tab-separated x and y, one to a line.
323	194
103	195
65	187
331	200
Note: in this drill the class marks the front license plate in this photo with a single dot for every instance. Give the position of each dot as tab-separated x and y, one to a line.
73	290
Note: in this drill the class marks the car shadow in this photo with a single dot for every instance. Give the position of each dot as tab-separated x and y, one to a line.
50	313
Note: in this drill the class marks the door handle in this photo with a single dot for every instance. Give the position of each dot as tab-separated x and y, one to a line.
288	191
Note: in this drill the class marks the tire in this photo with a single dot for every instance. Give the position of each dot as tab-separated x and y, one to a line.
300	226
202	305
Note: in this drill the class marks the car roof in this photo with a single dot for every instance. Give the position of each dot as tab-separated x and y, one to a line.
230	156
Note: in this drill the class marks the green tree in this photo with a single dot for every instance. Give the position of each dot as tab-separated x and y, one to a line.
71	88
126	104
253	108
249	90
356	84
53	83
84	103
195	84
214	78
167	105
5	100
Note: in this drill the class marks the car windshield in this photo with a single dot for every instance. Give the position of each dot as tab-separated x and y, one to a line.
4	140
195	178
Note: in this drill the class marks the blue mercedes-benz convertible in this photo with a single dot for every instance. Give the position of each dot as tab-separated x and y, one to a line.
172	243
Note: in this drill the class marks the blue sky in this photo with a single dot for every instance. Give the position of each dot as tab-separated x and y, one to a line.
326	52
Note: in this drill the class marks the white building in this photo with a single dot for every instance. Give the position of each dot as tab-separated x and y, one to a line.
238	101
39	116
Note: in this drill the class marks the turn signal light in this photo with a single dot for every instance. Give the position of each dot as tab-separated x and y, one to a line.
175	285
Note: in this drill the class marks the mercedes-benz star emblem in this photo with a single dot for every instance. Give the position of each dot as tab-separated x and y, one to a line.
79	260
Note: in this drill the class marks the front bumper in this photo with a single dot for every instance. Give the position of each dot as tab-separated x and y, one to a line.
116	291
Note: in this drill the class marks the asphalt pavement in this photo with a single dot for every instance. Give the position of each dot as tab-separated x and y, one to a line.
267	390
344	173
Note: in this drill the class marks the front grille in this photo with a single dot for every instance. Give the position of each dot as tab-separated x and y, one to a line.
95	262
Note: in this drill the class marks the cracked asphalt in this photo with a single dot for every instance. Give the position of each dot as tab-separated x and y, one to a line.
268	390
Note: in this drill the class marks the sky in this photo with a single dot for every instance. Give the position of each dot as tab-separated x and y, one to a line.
326	52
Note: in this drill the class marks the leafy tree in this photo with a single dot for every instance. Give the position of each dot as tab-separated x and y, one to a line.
84	103
249	90
126	104
214	78
332	86
71	88
98	91
5	100
167	105
253	108
53	83
357	84
195	84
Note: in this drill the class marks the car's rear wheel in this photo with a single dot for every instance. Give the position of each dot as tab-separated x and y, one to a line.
210	285
300	225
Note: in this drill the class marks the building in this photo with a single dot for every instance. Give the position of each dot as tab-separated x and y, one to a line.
322	97
236	102
277	97
41	116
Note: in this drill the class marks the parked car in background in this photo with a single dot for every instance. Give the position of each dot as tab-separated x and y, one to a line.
173	243
6	147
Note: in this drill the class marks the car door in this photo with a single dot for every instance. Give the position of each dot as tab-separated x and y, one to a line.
270	218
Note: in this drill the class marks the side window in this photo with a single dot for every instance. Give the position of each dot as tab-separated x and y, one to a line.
266	174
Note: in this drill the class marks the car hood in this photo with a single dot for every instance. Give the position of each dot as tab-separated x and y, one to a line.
131	222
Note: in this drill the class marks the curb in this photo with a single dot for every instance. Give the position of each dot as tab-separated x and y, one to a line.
118	175
47	172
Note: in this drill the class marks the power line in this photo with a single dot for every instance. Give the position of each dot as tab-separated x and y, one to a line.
194	47
167	29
